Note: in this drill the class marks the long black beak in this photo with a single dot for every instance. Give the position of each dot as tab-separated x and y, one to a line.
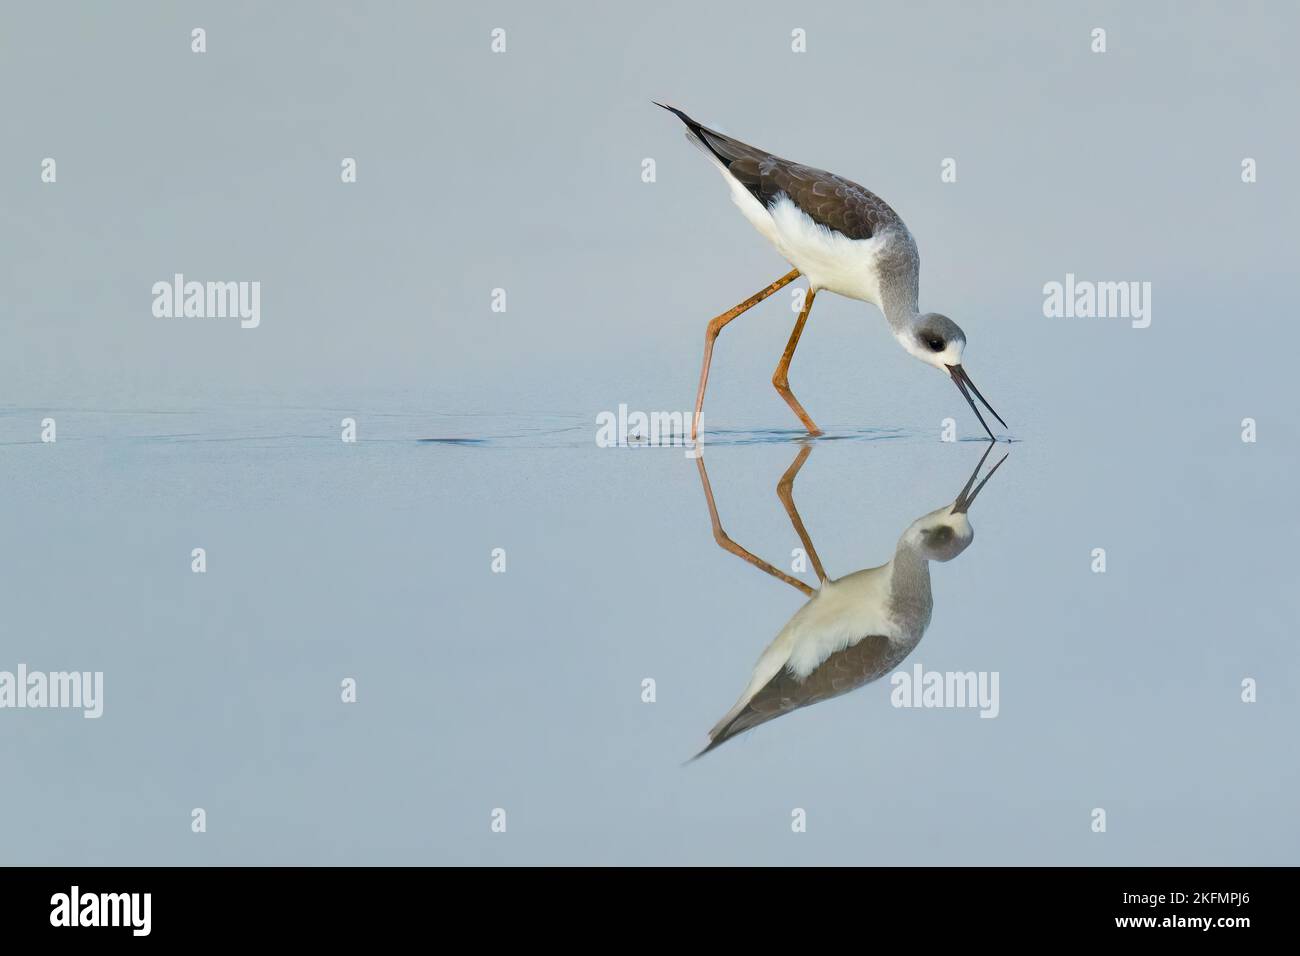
963	381
967	496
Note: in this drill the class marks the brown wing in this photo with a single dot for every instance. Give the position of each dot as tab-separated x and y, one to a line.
830	200
846	670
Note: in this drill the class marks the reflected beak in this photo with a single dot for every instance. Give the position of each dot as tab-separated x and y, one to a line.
967	496
966	386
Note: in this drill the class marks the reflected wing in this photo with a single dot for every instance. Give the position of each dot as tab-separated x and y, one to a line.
845	670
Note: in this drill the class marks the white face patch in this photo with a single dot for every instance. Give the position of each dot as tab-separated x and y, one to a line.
940	360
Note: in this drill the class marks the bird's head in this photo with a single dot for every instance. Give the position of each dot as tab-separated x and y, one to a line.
941	535
939	341
946	532
935	339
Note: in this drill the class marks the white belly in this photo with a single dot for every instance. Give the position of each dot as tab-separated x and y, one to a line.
839	614
842	612
829	260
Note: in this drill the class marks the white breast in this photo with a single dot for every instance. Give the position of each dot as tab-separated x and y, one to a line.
828	259
840	613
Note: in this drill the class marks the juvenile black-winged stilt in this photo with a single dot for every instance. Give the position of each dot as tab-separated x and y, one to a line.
845	239
853	629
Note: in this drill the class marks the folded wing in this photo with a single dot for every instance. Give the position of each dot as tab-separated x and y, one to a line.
848	669
829	200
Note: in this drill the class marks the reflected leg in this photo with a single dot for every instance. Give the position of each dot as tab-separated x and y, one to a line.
785	491
725	542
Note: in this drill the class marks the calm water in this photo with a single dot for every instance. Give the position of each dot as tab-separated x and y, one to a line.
522	690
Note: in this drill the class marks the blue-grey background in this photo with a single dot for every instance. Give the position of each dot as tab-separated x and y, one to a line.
522	690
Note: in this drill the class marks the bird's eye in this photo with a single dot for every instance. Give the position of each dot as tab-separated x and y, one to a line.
936	345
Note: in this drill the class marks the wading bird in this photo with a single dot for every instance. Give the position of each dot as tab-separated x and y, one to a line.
853	629
845	239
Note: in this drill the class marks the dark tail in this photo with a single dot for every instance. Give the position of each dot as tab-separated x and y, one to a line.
697	130
693	126
729	732
713	745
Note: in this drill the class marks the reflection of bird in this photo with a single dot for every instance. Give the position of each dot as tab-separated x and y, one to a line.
853	629
844	239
